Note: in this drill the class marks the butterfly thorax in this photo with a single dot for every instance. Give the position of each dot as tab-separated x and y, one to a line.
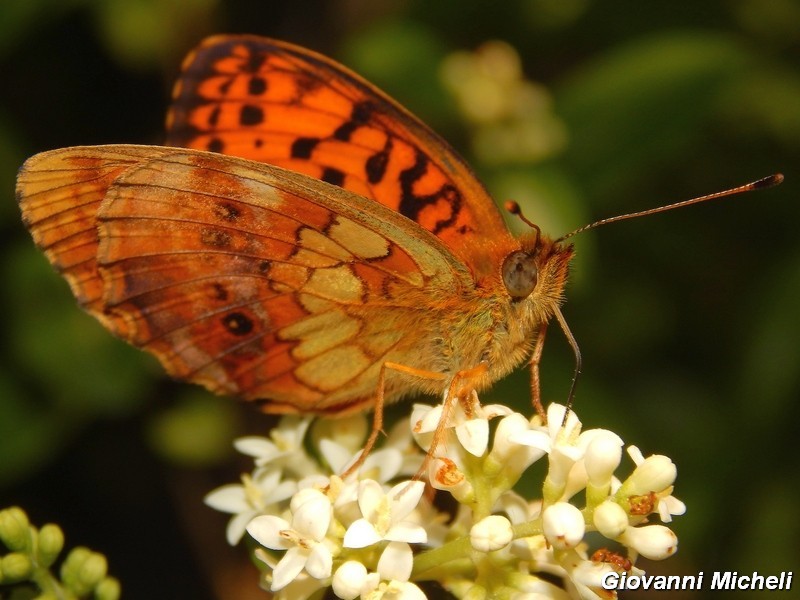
500	326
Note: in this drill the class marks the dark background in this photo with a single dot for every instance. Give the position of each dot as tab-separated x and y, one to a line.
688	321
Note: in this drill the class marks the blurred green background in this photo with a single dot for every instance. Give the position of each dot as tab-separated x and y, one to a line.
688	321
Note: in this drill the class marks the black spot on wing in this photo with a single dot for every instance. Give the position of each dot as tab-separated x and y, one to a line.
334	176
256	86
237	323
251	115
303	147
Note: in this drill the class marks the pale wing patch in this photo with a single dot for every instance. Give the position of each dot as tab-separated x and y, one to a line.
268	196
359	240
314	258
338	283
322	244
315	304
320	333
329	371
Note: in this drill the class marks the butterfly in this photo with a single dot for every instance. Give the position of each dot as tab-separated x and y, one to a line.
301	241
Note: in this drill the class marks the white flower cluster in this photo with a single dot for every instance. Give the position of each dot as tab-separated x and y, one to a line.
376	533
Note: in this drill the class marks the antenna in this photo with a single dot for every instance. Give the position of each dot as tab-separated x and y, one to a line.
512	206
760	184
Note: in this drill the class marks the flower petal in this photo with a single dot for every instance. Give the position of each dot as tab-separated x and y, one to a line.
533	438
335	454
319	562
313	516
396	562
228	498
370	497
288	568
256	446
237	525
404	498
406	531
387	461
360	534
474	436
266	530
670	506
555	417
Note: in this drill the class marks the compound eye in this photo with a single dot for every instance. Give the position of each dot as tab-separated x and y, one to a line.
520	274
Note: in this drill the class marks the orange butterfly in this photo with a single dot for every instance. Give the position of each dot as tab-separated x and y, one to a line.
366	241
365	262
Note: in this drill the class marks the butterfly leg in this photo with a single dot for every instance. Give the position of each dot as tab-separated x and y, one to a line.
462	390
377	419
536	392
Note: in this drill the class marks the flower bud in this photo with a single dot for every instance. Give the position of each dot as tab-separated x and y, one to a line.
93	570
491	533
15	528
72	573
563	525
610	519
655	474
51	542
15	566
83	570
349	579
107	589
603	456
655	542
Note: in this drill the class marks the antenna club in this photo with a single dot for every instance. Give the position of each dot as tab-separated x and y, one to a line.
768	182
514	208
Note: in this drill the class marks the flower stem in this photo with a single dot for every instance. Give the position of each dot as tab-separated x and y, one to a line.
453	550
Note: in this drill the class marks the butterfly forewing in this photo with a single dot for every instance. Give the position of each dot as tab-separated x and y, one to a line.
281	104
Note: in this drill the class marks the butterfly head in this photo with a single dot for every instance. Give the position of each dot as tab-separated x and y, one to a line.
538	269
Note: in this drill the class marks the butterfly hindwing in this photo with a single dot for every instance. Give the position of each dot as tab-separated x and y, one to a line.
246	278
59	193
